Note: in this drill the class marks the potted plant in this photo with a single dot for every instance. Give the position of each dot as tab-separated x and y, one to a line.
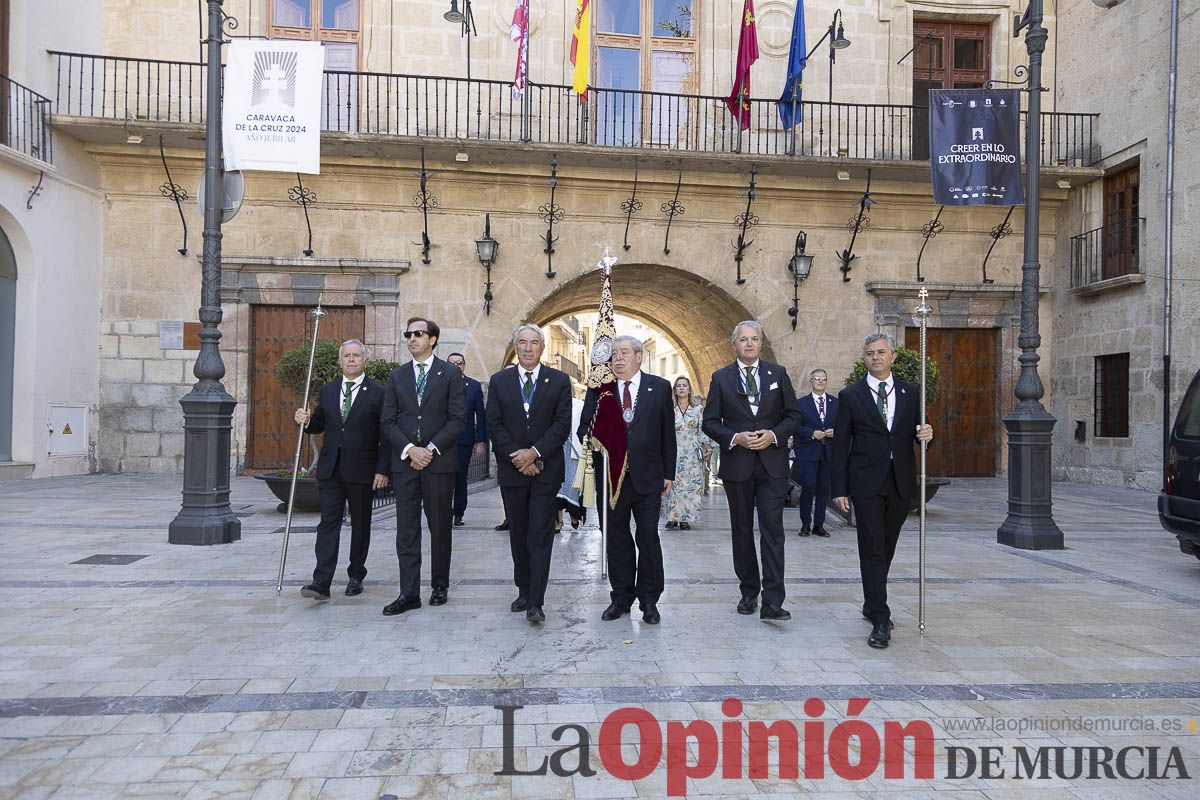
907	367
290	372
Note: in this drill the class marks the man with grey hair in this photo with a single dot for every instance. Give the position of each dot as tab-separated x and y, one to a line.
635	564
873	467
352	463
751	411
529	419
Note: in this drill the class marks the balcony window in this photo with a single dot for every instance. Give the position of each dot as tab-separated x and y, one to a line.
1111	411
948	55
315	20
1120	224
644	46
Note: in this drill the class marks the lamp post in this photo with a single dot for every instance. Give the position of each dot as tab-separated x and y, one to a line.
488	249
1029	525
836	34
799	265
205	516
467	20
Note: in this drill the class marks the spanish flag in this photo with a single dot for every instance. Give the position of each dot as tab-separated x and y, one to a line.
581	48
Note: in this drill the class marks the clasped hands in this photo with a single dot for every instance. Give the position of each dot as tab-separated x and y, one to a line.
754	440
924	434
524	461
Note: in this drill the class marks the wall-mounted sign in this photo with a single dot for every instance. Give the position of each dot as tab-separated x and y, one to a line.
271	117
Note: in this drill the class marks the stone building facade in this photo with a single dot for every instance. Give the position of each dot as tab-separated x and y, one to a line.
367	257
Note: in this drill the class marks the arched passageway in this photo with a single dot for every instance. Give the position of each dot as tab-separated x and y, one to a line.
696	314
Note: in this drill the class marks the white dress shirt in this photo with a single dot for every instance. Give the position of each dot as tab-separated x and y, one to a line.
817	401
873	384
741	368
634	384
533	373
356	384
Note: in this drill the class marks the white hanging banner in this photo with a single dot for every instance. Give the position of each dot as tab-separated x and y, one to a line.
272	112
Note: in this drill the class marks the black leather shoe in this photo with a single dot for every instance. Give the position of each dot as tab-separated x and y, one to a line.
747	605
614	611
314	592
503	526
400	605
805	530
438	596
880	635
458	522
867	617
520	604
535	614
774	612
672	525
354	587
820	531
650	614
685	526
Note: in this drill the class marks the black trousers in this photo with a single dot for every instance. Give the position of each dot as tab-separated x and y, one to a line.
879	518
460	478
530	509
417	489
814	499
635	562
762	493
335	493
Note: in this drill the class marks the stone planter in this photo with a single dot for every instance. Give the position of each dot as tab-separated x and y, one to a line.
307	497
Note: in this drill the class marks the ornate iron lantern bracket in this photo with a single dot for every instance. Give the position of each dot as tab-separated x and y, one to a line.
672	209
36	190
424	200
631	206
173	191
551	213
304	197
857	223
745	221
928	231
998	233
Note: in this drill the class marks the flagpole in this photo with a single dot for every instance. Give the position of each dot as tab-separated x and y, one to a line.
603	512
527	97
317	313
923	314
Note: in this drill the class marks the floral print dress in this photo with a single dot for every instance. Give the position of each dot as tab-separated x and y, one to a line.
683	502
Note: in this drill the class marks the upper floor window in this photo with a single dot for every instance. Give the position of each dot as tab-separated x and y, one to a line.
1121	223
644	46
948	55
321	20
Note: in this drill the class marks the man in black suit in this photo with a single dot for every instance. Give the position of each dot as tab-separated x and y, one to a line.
529	416
650	432
875	468
751	411
350	466
813	441
471	440
424	411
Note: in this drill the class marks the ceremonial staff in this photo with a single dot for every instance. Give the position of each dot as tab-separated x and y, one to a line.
923	315
317	313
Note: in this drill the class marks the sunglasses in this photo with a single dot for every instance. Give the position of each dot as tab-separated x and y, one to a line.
418	334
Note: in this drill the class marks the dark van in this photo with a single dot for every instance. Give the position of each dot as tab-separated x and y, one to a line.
1179	505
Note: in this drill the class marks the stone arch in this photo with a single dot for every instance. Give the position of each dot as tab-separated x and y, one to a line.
695	313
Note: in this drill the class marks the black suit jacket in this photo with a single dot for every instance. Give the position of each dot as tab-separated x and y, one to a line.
727	412
651	436
546	428
864	448
355	442
476	427
441	415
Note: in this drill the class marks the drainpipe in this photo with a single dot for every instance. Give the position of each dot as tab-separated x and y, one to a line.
1168	203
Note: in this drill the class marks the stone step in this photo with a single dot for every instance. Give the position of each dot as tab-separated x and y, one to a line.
15	470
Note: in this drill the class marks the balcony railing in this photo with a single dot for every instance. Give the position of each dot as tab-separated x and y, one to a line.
568	366
1107	252
455	108
23	121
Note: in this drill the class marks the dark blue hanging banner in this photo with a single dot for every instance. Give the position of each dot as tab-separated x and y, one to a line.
975	147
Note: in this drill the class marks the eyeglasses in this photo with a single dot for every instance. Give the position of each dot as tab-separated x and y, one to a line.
418	334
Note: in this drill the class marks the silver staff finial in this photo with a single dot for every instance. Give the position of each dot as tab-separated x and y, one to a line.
608	261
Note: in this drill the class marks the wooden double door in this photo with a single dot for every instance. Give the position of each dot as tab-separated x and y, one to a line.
965	417
274	330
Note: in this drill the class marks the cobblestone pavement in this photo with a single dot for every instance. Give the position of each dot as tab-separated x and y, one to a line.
169	671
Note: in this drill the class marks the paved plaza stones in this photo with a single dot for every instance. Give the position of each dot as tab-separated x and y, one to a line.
133	668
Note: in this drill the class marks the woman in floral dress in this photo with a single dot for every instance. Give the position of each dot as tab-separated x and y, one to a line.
682	506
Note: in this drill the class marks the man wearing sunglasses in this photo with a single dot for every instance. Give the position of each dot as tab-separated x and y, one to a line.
424	411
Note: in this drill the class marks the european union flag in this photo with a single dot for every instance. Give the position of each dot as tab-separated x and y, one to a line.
789	111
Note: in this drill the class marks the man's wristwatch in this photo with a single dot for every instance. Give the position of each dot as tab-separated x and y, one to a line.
540	464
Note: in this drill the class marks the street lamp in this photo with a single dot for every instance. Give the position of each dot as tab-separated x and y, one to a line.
488	249
467	20
800	265
453	15
1029	525
836	34
205	516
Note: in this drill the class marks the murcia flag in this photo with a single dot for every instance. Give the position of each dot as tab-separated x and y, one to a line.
581	49
739	97
519	33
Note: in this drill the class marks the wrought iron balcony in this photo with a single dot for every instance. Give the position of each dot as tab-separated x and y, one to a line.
568	366
23	121
422	106
1109	251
